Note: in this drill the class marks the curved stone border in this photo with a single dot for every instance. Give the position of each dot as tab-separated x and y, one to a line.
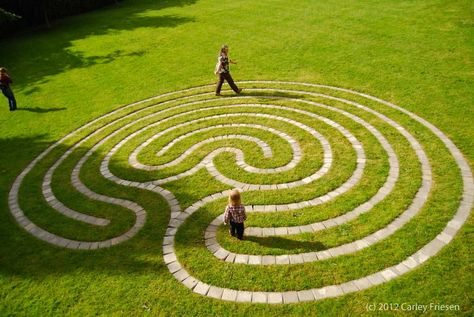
51	238
207	162
327	160
351	286
296	150
267	152
381	194
274	297
420	199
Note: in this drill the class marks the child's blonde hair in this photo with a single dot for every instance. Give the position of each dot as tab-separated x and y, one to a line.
234	198
3	70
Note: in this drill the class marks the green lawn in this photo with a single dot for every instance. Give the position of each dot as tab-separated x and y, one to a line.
416	54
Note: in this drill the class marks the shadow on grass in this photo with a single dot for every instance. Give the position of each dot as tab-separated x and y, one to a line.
286	244
52	48
22	254
40	110
273	94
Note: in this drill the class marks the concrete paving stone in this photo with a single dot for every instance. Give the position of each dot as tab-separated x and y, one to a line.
259	297
400	268
241	258
174	266
329	223
333	291
317	226
349	287
284	186
296	258
249	231
213	247
305	296
324	198
349	247
371	239
103	244
376	279
75	244
181	275
361	244
281	231
274	298
168	240
208	235
336	251
445	238
221	253
282	207
229	294
290	297
293	206
309	257
230	258
420	257
64	242
201	288
171	231
382	234
322	255
216	222
211	229
455	224
306	228
175	223
244	296
29	227
293	230
268	232
362	283
410	262
210	241
255	259
268	260
94	245
191	209
270	208
282	259
388	274
433	247
82	245
215	292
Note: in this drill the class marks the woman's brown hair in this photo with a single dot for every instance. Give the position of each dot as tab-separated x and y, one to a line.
222	49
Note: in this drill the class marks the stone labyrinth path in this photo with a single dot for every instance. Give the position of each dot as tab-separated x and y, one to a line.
360	175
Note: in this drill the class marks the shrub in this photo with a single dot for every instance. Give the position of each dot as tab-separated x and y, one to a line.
8	22
41	12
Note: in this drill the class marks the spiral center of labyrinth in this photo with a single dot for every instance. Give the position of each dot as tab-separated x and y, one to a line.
328	176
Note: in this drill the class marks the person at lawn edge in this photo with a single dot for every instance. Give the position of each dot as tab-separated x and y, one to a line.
5	82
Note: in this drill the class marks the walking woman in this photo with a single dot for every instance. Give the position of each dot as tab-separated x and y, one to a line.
222	70
5	82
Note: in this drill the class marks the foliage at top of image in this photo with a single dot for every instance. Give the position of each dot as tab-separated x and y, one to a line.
19	14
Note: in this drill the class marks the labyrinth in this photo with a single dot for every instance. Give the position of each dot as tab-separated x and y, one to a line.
343	191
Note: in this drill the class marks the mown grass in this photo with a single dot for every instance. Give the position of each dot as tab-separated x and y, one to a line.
416	54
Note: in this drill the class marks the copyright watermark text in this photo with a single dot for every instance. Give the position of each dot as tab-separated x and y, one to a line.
415	307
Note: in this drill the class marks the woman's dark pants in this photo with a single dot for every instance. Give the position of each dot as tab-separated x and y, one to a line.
228	78
237	228
7	92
